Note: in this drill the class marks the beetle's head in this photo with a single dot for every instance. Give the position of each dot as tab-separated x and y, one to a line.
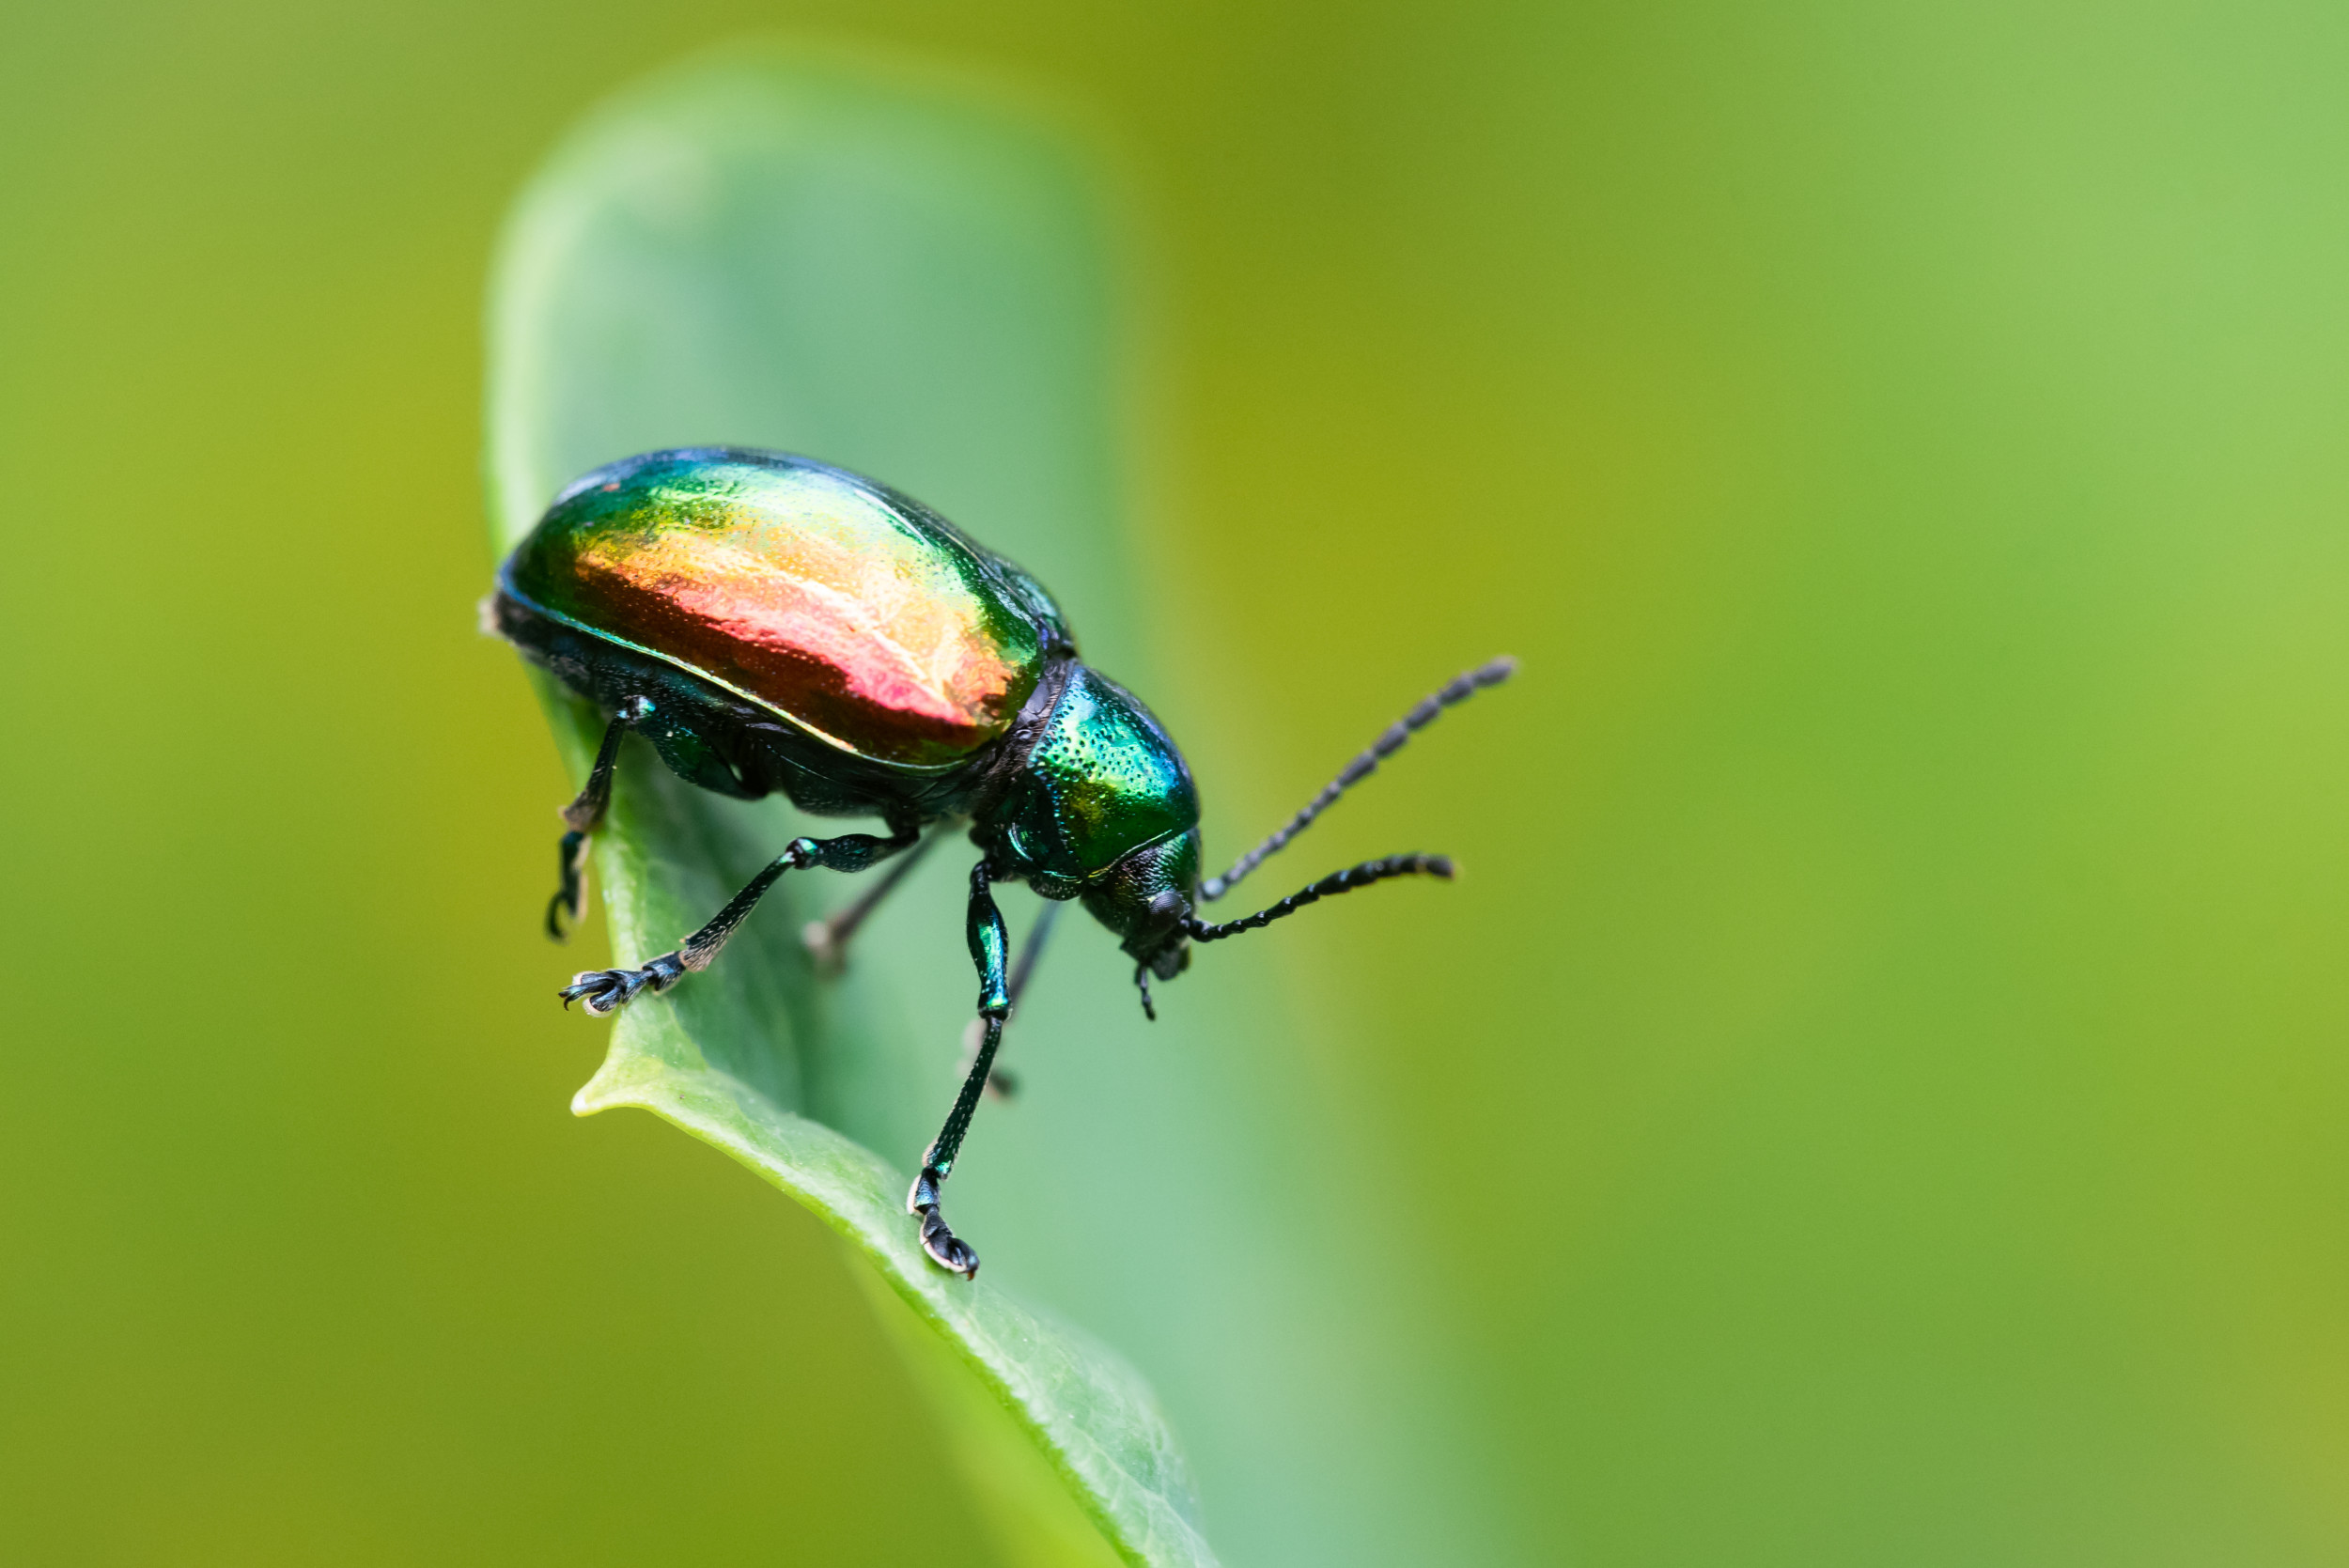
1145	898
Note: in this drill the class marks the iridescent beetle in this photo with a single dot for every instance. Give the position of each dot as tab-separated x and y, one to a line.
771	623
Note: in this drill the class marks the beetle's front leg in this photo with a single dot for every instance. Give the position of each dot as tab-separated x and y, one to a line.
990	946
604	991
999	1082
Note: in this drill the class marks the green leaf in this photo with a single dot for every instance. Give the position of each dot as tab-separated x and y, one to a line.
892	273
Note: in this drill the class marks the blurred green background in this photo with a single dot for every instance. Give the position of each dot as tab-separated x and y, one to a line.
1877	1094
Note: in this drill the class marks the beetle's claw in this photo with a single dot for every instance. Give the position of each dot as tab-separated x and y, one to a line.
571	894
604	992
564	912
946	1249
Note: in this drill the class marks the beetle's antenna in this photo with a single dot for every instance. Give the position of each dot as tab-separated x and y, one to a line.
1459	691
1336	882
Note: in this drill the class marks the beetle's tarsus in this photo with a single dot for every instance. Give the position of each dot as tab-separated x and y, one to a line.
604	992
946	1249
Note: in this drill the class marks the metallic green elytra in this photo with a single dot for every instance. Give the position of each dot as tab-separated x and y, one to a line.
854	613
772	624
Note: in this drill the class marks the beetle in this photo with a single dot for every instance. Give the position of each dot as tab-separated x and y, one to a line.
771	623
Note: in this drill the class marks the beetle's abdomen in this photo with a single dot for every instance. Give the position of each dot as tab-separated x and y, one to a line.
845	607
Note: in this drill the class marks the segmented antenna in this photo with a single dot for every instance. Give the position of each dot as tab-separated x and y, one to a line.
1459	691
1348	881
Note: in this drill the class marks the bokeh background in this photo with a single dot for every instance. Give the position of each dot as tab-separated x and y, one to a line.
1878	1096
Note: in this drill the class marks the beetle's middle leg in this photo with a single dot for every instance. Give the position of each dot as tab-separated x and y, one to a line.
607	990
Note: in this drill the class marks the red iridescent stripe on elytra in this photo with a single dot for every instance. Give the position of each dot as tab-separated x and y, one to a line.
813	596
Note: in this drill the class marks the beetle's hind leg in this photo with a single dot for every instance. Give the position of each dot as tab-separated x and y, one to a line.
604	991
582	816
